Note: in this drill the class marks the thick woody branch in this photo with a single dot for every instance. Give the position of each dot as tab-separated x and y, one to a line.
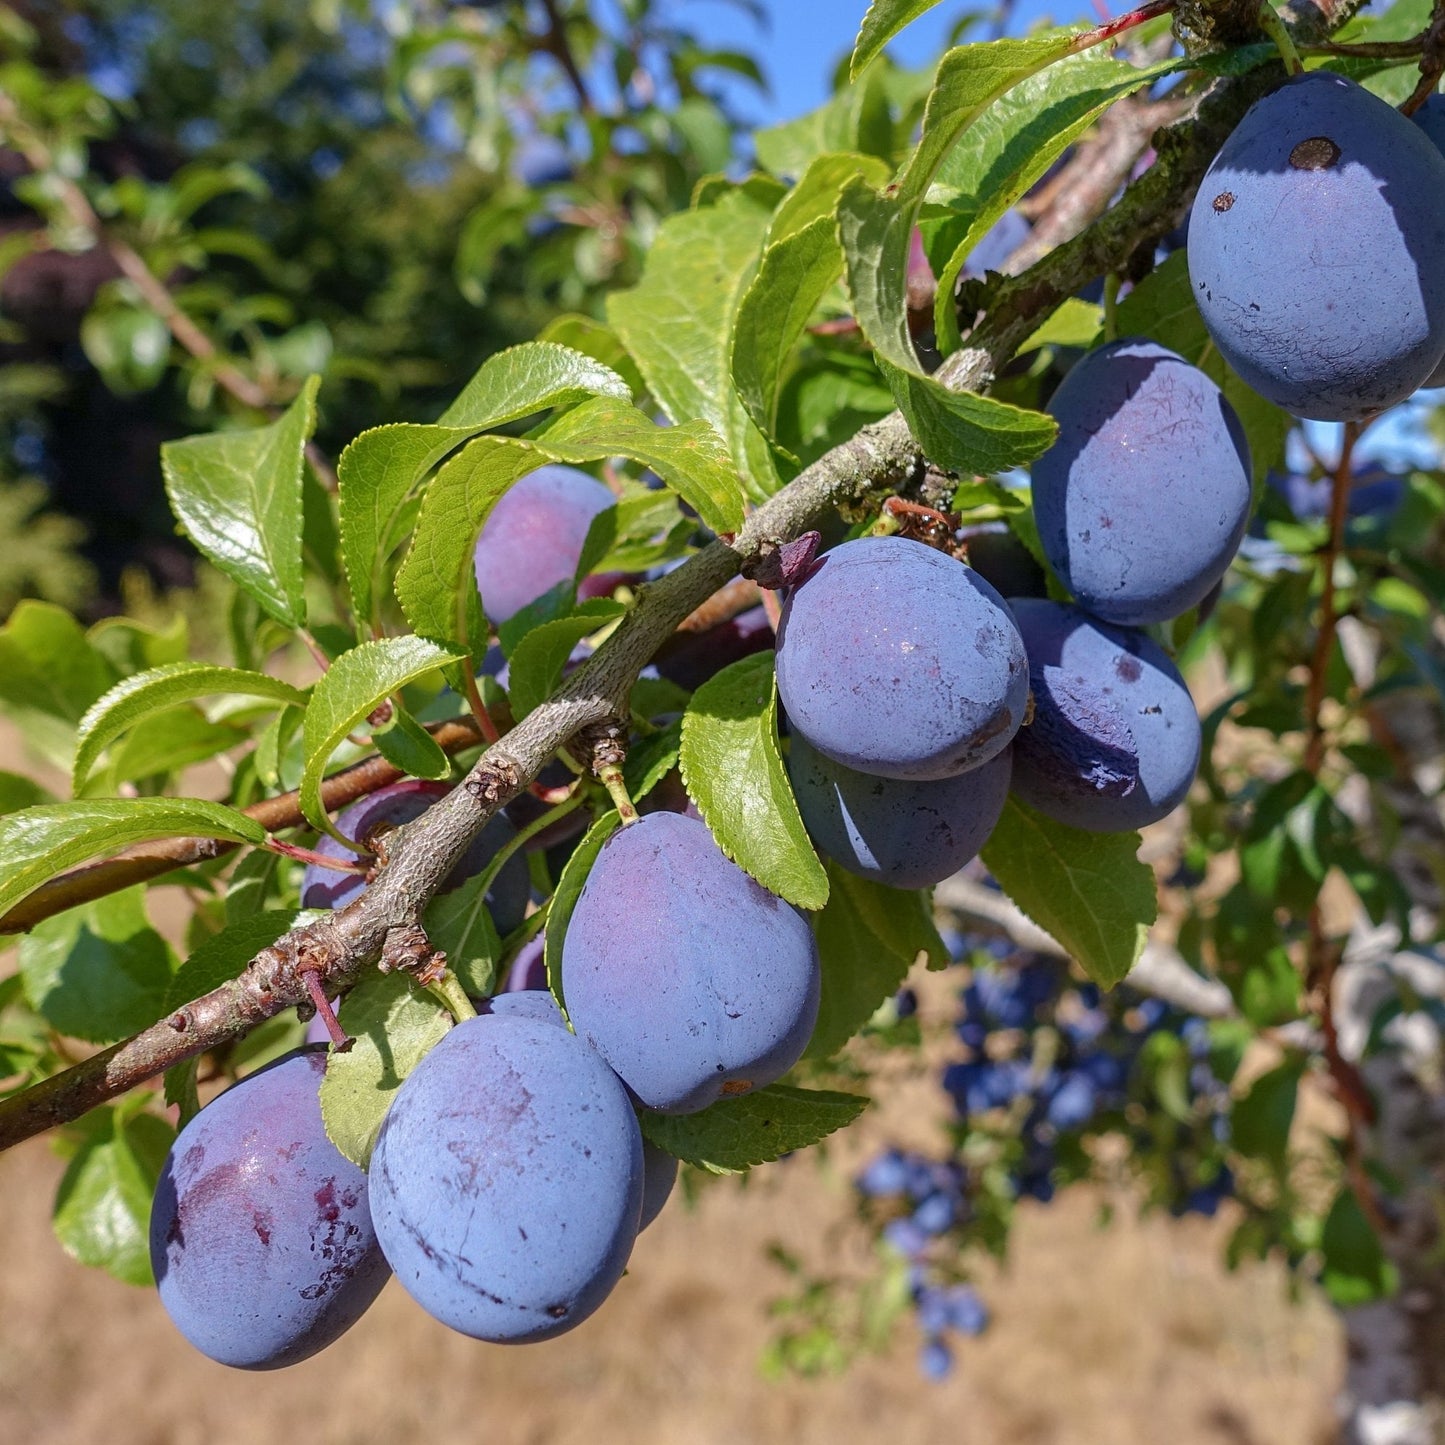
880	460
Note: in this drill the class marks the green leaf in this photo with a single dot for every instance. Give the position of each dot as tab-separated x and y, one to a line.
38	843
18	792
380	470
237	496
1088	890
1261	1120
170	740
965	432
678	324
568	891
735	1134
393	1025
1007	149
535	666
224	957
883	20
651	759
460	925
251	880
876	230
1356	1267
1074	323
689	457
103	1205
801	260
857	118
50	673
436	579
592	338
99	972
351	689
530	378
733	771
869	937
407	745
181	1092
137	697
1162	307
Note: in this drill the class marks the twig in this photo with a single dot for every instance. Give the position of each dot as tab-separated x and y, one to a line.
150	860
881	459
556	44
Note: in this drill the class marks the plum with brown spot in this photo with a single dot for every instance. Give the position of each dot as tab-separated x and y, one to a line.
261	1237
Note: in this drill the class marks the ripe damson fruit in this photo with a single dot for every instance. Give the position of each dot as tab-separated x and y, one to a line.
403	803
903	834
688	977
1143	500
1431	119
506	1183
1317	250
1114	742
533	538
659	1174
897	660
260	1236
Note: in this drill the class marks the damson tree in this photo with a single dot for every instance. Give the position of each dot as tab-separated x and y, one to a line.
840	596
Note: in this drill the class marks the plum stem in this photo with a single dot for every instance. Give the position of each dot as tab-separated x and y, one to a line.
610	776
1274	27
1086	39
1111	306
480	715
448	989
340	1040
319	860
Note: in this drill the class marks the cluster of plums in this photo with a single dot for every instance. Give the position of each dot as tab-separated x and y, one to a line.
510	1177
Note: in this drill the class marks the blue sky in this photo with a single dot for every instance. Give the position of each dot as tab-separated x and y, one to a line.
806	38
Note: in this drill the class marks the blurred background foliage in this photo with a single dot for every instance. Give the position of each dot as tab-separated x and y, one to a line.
382	192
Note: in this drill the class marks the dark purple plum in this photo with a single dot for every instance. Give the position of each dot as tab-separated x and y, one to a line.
1143	500
997	555
527	807
529	969
261	1236
659	1174
1431	119
689	977
529	1003
898	660
904	834
506	1184
689	659
403	803
1373	491
533	538
997	244
1114	742
1317	250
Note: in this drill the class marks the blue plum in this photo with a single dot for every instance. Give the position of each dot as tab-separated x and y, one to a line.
1317	250
403	803
904	834
897	660
529	968
506	1183
1431	119
1143	500
659	1174
997	555
690	978
528	1003
1114	743
533	538
260	1236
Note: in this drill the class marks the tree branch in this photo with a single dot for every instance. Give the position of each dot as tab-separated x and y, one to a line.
880	460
